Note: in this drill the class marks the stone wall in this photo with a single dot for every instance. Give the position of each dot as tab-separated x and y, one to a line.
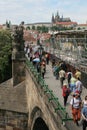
13	120
39	106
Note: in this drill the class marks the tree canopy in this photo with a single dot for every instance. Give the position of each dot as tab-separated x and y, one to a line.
5	55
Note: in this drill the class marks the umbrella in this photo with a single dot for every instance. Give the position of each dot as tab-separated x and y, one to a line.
36	60
36	48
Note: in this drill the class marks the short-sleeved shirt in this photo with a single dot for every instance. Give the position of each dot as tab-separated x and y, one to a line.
79	85
84	103
84	111
73	81
75	102
61	73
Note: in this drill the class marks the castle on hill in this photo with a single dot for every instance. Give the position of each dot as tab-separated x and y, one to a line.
58	18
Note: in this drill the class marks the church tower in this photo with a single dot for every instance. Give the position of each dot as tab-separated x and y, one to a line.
53	20
57	17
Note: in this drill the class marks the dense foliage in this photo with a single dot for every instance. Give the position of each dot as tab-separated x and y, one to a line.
44	29
5	55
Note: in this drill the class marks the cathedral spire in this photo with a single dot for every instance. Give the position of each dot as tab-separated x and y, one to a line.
58	15
53	19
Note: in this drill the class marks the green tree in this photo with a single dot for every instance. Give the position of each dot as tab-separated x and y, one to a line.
44	29
33	27
28	28
5	55
39	28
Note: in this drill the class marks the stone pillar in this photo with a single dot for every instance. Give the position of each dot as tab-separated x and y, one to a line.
18	58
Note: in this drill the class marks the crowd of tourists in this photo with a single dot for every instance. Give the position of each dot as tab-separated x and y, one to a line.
70	83
39	60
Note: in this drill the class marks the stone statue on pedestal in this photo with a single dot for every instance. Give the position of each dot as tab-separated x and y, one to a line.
18	38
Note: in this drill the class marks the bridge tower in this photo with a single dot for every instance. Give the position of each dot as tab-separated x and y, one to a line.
18	57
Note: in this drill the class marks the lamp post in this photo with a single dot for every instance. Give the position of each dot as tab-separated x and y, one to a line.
38	39
53	42
40	49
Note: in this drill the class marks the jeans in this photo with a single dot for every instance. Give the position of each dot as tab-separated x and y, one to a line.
72	87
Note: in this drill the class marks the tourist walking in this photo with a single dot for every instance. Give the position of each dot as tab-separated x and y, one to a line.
64	66
53	62
56	71
47	56
84	102
69	76
79	86
73	84
62	75
76	107
42	70
65	93
77	74
84	116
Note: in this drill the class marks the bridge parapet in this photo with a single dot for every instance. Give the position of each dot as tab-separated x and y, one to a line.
50	96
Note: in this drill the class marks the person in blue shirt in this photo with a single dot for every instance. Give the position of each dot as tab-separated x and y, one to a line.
84	116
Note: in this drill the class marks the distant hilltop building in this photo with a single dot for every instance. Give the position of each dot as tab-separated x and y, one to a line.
62	22
57	18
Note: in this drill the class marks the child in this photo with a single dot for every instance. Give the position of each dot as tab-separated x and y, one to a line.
65	93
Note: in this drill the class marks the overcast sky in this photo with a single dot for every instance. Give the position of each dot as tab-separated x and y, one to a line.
32	11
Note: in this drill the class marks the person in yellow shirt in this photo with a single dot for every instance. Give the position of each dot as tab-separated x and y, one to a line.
78	74
73	84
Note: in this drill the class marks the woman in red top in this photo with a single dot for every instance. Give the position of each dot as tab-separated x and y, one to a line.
65	93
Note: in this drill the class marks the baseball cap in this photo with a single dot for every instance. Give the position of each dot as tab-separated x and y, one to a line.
76	92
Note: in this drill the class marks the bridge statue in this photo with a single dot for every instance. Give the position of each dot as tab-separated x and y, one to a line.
18	56
18	38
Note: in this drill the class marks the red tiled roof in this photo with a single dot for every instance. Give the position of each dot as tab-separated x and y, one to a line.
28	36
45	36
82	25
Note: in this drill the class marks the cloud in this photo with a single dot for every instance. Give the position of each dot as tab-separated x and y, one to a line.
32	11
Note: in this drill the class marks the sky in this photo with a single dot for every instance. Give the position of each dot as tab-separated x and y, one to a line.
34	11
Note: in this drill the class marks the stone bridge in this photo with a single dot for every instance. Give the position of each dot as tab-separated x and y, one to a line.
42	115
44	112
29	98
26	102
30	104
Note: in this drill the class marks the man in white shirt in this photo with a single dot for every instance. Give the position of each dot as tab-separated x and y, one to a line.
76	107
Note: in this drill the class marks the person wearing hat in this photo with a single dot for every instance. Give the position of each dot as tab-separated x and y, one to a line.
84	102
84	114
76	107
65	93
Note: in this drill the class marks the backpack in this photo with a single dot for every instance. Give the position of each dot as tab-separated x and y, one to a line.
69	76
67	92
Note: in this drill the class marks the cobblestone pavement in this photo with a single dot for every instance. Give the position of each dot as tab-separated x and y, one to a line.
55	86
